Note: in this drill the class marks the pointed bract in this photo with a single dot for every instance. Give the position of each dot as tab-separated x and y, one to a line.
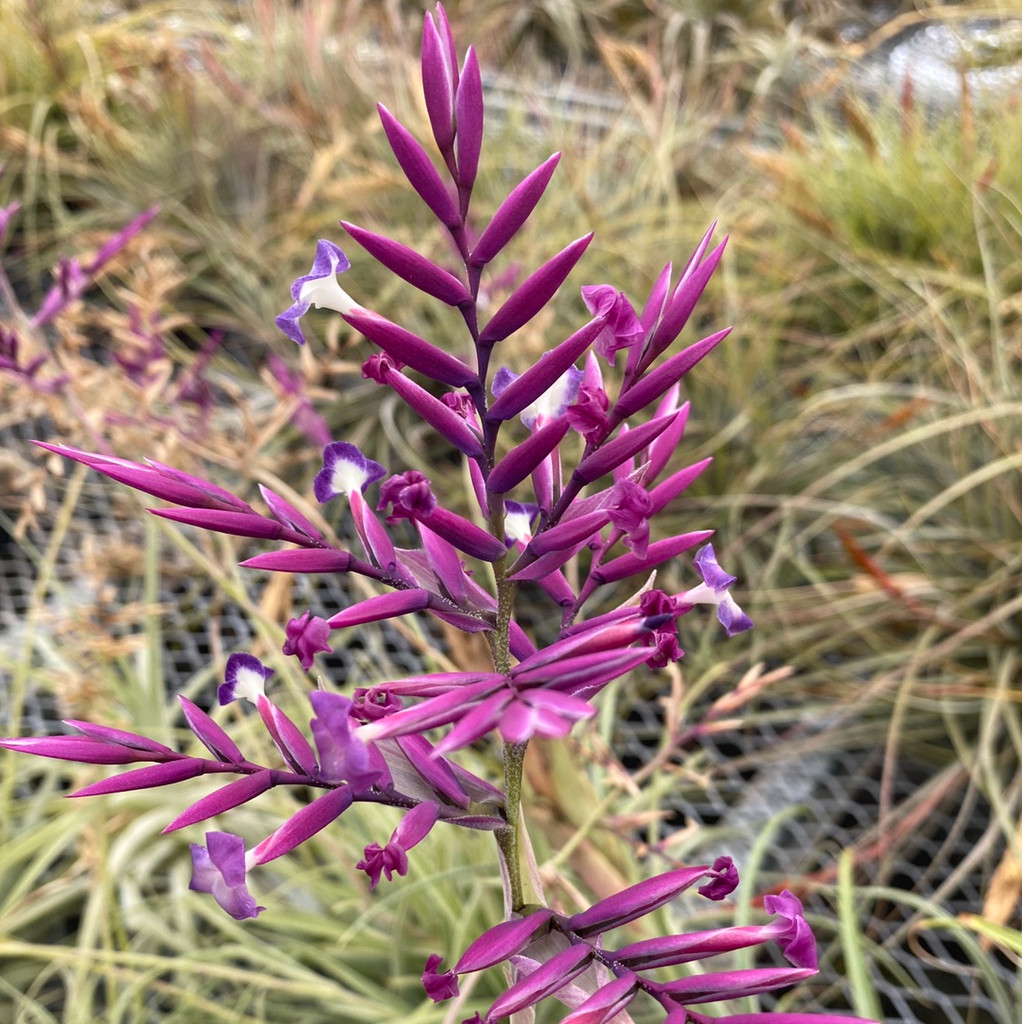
554	974
419	169
469	119
514	467
234	794
438	85
216	741
543	375
514	211
411	350
304	825
414	268
533	293
147	778
645	897
502	941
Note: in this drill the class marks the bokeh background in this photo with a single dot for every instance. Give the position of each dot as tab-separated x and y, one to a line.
860	746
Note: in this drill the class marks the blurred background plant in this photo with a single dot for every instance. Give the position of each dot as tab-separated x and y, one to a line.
865	418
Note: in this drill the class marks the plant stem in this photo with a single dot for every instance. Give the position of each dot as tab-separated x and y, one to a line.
509	838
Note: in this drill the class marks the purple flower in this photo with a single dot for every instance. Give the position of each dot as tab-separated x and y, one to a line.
588	413
409	495
630	508
622	329
518	521
558	394
244	678
342	754
439	985
664	638
345	471
715	590
317	288
305	637
791	930
393	858
220	870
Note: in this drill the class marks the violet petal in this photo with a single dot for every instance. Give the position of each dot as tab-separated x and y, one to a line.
220	870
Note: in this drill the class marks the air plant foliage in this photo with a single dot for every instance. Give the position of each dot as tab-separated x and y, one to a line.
564	468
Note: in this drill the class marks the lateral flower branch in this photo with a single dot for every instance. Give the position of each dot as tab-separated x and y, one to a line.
581	475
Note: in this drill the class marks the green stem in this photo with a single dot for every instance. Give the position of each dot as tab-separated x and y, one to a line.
509	838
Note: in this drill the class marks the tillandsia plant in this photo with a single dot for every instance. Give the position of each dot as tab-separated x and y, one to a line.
581	482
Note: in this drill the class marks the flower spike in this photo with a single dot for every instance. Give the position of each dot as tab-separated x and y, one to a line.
540	523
